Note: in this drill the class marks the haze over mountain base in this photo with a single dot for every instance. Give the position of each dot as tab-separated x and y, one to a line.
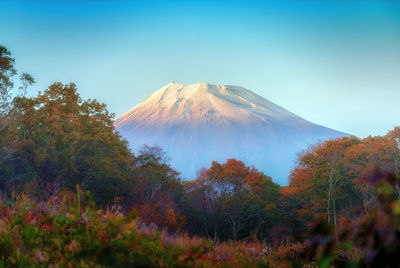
197	124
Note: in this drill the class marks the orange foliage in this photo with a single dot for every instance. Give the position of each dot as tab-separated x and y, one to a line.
161	213
298	181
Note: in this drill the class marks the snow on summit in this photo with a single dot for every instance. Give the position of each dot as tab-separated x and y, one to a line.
204	103
196	124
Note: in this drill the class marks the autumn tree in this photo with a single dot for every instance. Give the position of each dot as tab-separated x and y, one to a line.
156	188
380	152
267	203
68	141
325	181
229	198
301	198
392	152
361	159
204	204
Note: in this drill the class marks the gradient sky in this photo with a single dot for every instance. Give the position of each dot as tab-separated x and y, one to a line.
335	63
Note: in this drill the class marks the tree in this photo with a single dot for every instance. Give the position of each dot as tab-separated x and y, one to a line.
8	137
68	141
205	203
360	159
7	73
154	174
157	188
393	153
230	197
269	212
325	179
301	195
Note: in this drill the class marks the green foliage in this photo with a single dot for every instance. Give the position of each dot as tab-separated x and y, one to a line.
7	116
156	189
66	140
7	71
153	175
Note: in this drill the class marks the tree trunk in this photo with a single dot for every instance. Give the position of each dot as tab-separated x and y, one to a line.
334	217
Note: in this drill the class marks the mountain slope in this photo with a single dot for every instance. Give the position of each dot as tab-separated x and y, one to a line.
196	124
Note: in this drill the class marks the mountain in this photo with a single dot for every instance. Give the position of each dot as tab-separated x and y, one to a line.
196	124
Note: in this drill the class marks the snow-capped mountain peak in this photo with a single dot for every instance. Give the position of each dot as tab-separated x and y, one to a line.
204	103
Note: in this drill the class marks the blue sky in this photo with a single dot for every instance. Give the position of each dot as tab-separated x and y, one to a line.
335	63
